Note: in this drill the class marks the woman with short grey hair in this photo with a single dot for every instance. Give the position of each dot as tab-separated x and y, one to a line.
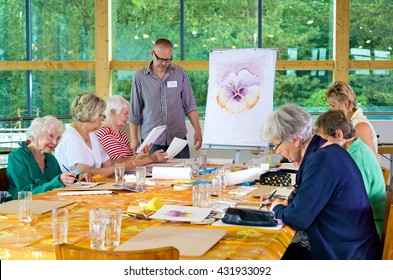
32	167
329	207
114	140
287	122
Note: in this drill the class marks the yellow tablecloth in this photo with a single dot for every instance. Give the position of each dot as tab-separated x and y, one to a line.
34	240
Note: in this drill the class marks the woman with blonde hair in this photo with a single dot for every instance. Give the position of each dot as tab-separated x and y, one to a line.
32	167
80	150
341	96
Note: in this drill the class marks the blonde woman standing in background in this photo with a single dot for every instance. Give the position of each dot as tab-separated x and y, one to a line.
340	96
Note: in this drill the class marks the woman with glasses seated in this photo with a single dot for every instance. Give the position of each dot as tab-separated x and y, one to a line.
80	150
336	128
114	140
32	167
329	207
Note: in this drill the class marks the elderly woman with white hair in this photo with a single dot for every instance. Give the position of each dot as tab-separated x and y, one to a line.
329	207
113	138
32	167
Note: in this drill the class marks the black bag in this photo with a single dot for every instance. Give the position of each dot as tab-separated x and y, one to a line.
249	217
278	178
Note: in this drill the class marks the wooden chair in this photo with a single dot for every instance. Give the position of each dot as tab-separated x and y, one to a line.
387	232
4	182
386	173
72	252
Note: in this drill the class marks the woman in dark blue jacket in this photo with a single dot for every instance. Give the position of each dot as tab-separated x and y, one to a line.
329	207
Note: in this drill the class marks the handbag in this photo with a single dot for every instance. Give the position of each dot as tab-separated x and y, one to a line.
279	178
249	217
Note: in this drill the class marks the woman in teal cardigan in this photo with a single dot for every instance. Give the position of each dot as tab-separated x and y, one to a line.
32	167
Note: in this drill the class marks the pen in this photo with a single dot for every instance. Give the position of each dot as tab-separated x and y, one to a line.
70	171
268	198
139	216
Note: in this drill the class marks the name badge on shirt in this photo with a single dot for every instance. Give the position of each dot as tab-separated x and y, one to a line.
172	84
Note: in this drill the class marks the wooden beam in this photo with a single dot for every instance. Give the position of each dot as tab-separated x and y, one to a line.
47	65
371	64
341	40
305	65
103	44
204	64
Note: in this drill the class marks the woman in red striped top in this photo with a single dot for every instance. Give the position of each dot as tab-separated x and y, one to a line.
112	137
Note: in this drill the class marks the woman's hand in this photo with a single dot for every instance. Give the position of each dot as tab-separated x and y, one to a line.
158	156
279	201
67	178
85	176
266	202
270	203
129	163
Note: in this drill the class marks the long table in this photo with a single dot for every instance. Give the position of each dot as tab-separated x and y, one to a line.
34	241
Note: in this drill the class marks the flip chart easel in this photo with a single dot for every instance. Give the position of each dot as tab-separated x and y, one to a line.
240	98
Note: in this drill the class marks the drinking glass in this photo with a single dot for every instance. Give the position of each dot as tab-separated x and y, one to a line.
24	206
60	225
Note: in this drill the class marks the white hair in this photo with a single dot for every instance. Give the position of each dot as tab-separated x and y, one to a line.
287	122
39	126
116	103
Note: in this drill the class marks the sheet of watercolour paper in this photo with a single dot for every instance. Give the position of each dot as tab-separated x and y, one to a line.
240	96
181	213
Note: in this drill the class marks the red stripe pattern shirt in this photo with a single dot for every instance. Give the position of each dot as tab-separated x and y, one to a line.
117	146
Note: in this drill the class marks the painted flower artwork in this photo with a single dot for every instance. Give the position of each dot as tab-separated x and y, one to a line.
238	92
176	213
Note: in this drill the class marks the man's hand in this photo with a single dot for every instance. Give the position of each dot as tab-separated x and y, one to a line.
198	140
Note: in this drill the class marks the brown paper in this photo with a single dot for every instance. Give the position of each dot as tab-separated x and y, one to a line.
189	241
37	206
282	192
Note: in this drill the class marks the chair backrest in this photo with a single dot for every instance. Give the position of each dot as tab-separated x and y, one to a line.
72	252
387	232
386	173
4	182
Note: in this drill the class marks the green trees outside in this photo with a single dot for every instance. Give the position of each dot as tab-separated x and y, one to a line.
301	30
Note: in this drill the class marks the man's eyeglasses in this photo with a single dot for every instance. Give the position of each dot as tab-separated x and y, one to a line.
159	59
276	147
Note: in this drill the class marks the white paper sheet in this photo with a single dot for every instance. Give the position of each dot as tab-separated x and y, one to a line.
219	161
181	213
247	175
175	147
85	185
183	173
242	190
151	137
83	193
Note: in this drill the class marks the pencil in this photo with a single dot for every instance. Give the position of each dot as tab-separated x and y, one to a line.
70	171
268	198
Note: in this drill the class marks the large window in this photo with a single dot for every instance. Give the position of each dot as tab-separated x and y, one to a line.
371	40
58	30
300	30
48	48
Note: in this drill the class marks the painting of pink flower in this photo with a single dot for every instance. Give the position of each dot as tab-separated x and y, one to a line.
238	92
176	213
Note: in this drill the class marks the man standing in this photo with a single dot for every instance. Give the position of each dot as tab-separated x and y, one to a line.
161	95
